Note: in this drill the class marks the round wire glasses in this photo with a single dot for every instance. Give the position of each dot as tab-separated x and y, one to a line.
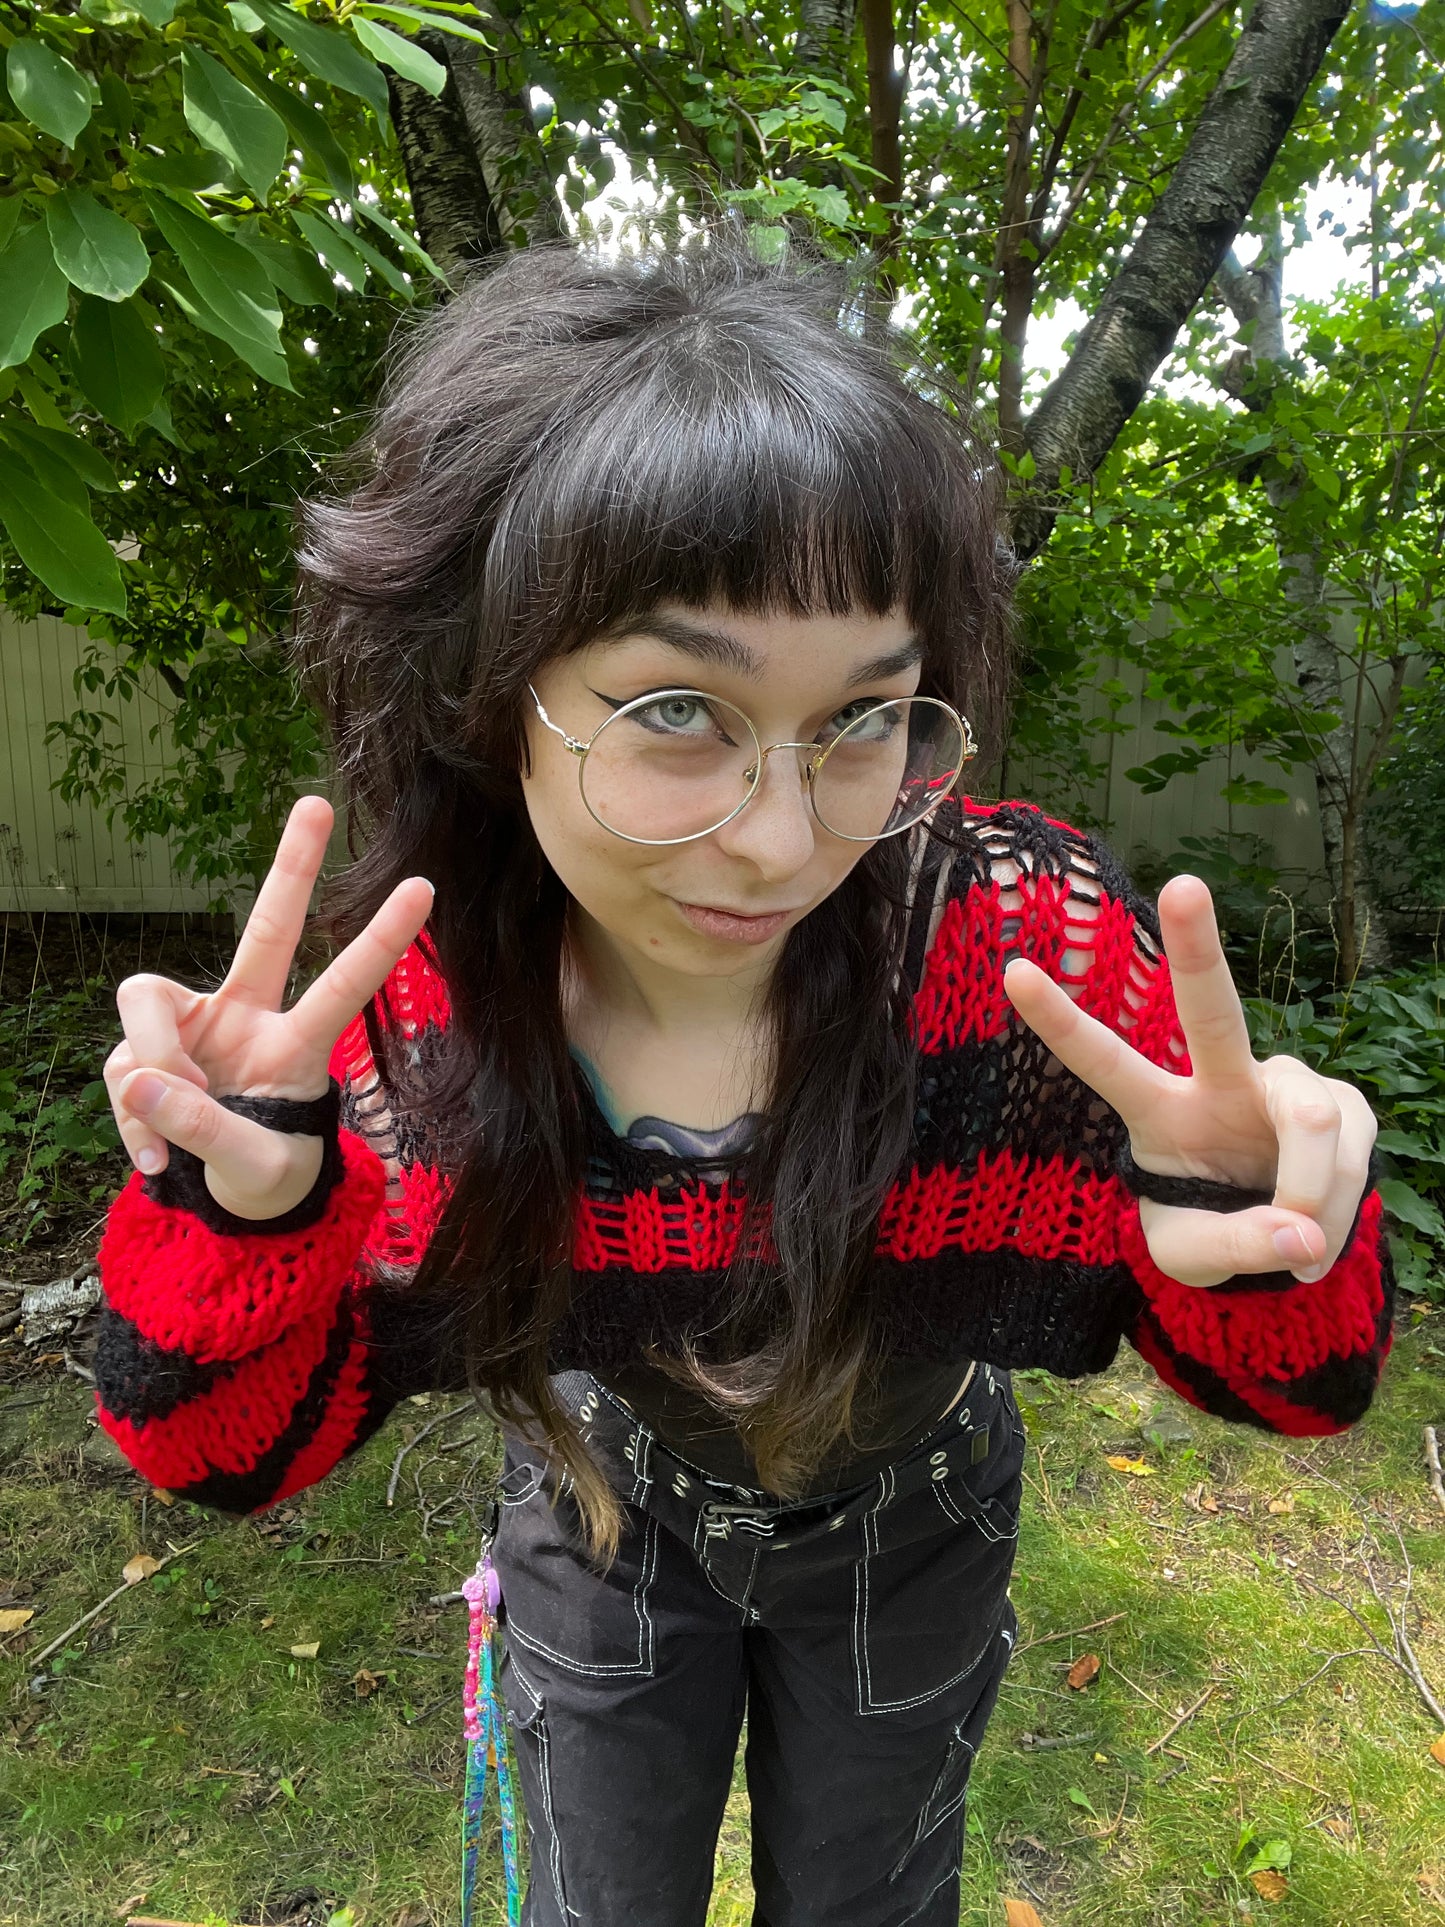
677	764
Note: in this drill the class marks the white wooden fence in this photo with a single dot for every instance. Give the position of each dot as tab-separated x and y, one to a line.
57	856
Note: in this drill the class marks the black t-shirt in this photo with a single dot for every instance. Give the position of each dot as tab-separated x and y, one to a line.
913	1397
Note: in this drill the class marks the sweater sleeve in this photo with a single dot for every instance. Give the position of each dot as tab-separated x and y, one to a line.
237	1360
1265	1349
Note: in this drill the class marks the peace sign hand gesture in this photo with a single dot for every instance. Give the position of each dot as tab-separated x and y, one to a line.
1276	1125
184	1048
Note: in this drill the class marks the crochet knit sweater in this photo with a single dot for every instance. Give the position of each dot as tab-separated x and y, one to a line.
237	1363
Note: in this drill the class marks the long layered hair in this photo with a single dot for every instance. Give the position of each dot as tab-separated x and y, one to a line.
570	440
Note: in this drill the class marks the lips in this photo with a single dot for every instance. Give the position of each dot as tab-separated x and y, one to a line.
734	926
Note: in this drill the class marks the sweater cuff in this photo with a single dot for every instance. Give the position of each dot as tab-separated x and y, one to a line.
182	1184
1208	1194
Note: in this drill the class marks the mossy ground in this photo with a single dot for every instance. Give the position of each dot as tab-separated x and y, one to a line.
179	1751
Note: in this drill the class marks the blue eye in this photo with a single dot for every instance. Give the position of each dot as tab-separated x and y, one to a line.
676	715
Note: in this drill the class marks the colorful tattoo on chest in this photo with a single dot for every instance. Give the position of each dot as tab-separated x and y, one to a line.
677	1140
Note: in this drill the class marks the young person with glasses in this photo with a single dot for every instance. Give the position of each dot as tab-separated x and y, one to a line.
707	1079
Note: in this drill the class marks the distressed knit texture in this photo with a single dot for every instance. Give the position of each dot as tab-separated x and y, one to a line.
237	1362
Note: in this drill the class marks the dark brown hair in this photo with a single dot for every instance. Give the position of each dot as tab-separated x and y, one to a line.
569	440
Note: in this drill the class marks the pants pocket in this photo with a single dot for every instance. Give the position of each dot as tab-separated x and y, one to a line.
558	1605
945	1799
931	1584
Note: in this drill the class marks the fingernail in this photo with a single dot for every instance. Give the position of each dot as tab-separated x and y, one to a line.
149	1160
1289	1242
144	1094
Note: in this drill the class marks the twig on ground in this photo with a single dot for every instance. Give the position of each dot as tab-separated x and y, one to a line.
1032	1743
466	1405
1044	1638
1104	1833
446	1598
129	1586
1183	1720
1284	1773
1249	1713
1432	1459
425	1713
1402	1658
1157	1704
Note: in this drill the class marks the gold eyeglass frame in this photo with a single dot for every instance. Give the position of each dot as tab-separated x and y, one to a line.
810	770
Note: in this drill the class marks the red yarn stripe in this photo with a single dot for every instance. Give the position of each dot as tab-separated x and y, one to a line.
218	1294
1266	1335
227	1427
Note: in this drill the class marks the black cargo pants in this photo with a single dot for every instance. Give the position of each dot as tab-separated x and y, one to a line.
865	1635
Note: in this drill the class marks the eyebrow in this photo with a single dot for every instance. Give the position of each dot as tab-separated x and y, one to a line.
727	651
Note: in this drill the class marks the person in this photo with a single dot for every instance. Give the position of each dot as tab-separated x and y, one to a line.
706	1078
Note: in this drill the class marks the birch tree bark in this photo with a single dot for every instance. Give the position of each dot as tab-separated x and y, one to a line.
475	167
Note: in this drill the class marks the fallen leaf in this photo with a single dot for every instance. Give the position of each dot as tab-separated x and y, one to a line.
1272	1885
268	1622
366	1682
1083	1670
129	1906
1283	1504
308	1649
15	1617
159	1492
1437	1751
1019	1913
138	1568
1135	1466
51	1358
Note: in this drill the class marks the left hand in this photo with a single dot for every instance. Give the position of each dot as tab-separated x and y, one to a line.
1273	1125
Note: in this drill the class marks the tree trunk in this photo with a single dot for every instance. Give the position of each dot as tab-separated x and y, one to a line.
1256	295
476	169
825	33
885	105
1179	249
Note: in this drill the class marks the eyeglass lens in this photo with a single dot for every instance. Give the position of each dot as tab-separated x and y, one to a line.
678	765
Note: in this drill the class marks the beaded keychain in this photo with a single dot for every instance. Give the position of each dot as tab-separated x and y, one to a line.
486	1742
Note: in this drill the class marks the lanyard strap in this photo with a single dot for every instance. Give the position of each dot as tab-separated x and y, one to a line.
486	1734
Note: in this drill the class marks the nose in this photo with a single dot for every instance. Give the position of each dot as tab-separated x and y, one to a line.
775	832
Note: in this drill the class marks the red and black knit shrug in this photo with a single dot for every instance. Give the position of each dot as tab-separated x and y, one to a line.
237	1364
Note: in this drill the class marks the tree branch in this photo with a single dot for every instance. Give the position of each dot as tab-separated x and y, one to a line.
1180	248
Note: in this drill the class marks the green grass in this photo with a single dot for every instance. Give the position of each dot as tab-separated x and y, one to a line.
183	1753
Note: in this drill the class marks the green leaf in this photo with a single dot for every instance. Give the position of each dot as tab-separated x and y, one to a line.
58	543
53	449
329	54
47	89
369	211
295	271
437	21
117	359
832	204
388	270
96	249
158	12
333	242
34	294
1406	1204
411	62
307	126
48	472
227	117
12	206
159	419
236	297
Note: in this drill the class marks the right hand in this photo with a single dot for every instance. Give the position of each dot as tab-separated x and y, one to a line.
237	1040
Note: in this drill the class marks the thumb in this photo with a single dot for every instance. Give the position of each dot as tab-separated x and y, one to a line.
1204	1248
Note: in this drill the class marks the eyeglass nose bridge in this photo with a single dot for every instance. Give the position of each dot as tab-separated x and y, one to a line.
753	774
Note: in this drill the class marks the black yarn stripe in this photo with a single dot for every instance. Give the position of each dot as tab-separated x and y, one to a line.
139	1379
249	1491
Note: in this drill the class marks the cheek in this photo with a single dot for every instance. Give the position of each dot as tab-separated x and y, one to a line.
602	872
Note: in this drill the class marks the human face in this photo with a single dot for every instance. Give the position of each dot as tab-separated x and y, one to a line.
721	905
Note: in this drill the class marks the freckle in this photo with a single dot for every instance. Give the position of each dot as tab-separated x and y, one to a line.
654	941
